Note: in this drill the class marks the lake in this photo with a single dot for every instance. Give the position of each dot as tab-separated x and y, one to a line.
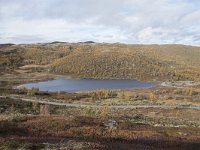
72	85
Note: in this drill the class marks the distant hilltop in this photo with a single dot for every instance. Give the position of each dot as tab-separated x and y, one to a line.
6	45
88	42
58	42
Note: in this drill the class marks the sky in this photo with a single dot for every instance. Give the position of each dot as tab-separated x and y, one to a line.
124	21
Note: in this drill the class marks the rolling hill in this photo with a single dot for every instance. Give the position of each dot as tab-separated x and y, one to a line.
108	61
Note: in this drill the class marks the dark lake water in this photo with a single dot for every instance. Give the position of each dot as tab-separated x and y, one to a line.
71	85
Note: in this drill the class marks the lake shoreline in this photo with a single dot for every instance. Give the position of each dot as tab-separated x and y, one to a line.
82	85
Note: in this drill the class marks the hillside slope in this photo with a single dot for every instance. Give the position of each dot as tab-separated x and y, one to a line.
107	61
114	61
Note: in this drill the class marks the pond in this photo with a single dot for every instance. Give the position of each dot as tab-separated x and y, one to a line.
72	85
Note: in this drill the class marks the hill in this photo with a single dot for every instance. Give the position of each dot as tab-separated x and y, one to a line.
109	61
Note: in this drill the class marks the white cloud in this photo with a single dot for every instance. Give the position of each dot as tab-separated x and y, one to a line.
130	21
155	35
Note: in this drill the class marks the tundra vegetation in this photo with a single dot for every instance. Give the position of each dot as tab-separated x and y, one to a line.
33	125
106	61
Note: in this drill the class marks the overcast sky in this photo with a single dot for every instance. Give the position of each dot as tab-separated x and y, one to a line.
126	21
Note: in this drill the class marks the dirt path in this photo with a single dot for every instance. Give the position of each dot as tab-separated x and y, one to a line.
100	106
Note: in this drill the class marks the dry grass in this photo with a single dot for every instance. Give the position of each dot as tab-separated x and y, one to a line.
113	61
